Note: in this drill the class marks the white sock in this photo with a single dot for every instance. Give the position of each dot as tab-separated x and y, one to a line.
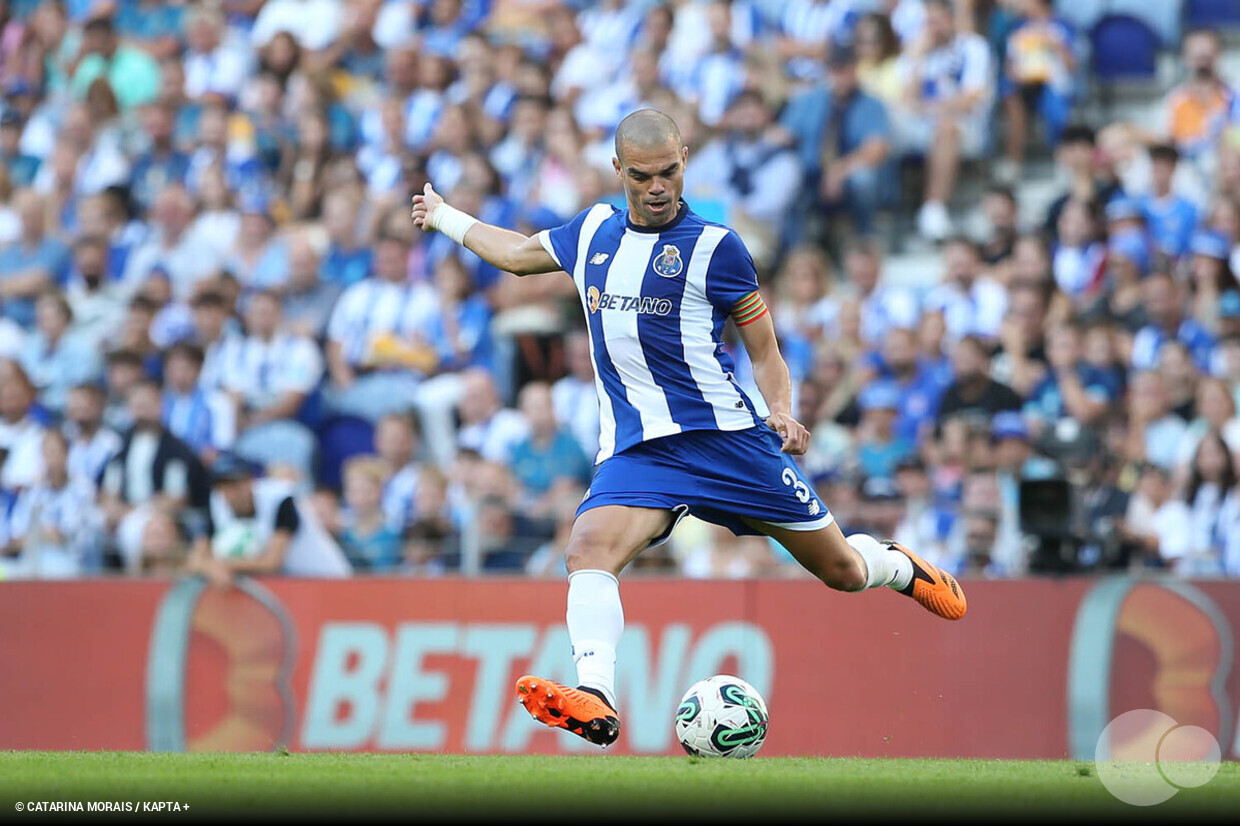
884	566
595	622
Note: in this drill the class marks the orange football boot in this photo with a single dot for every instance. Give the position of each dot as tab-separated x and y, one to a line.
581	711
936	590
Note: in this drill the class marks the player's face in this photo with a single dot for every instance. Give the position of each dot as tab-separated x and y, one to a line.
653	180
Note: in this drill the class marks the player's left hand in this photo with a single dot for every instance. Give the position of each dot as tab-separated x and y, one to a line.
794	434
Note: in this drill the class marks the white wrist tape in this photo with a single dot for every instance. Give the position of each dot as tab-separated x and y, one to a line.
452	222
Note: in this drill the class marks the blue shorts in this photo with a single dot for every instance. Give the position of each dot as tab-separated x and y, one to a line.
731	478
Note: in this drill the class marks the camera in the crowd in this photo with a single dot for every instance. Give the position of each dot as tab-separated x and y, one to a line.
1066	507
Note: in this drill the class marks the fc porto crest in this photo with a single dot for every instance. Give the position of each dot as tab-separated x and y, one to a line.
668	263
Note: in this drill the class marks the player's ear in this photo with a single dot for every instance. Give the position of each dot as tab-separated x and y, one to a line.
615	164
684	154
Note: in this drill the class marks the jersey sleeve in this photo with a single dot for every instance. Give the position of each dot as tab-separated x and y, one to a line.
732	281
287	517
561	242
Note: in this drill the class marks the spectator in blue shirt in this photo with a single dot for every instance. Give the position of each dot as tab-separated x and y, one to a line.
1209	268
1071	386
1170	218
162	163
188	111
157	24
259	258
461	330
446	24
1132	246
263	107
243	171
880	447
359	54
549	456
32	263
843	138
918	383
346	261
367	538
55	357
203	418
1164	309
107	216
21	167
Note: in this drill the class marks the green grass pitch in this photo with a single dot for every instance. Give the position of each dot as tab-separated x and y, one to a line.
761	790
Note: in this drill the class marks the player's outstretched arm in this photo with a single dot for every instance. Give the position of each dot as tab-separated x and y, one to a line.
770	372
502	248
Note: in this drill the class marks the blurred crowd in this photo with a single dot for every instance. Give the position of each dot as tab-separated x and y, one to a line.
217	322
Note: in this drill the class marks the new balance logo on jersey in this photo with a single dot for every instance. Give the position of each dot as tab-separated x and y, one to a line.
627	303
599	258
814	508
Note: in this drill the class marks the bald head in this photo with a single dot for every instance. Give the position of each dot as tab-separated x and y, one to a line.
646	129
650	164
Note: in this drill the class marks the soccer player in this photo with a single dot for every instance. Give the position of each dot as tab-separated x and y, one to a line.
678	435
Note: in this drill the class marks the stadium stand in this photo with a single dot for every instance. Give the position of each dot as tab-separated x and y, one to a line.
1061	248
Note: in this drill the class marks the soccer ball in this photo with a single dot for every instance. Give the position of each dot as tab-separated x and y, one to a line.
721	716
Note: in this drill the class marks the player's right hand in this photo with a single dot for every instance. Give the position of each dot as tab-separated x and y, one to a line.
424	207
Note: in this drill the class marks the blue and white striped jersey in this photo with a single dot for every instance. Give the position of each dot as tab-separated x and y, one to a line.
656	301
